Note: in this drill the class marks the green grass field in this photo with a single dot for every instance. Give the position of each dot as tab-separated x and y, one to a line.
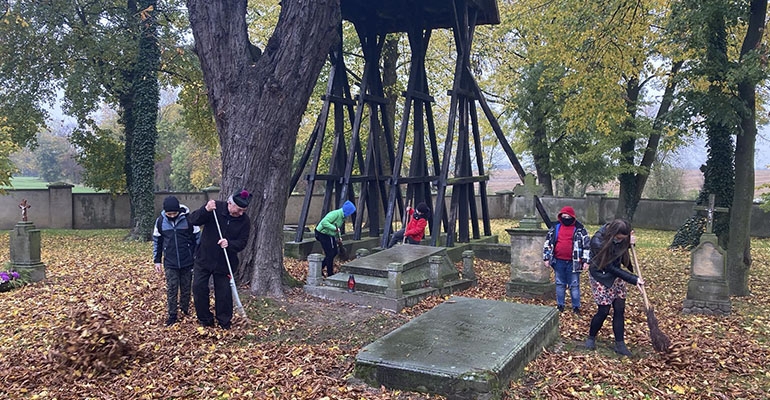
31	182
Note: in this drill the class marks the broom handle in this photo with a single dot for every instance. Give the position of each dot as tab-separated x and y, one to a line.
233	288
406	221
639	272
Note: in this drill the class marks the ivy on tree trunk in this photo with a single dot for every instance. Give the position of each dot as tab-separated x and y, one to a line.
145	114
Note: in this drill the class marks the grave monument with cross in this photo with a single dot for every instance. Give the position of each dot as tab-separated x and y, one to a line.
529	277
25	247
710	210
529	191
707	291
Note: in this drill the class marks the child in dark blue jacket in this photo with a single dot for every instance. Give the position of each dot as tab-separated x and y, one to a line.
174	240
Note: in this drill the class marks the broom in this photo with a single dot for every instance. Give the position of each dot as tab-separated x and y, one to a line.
660	342
342	252
407	218
233	288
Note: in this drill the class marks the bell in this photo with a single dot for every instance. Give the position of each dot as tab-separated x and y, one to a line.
351	283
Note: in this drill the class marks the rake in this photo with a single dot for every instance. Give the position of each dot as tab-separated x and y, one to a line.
233	288
660	342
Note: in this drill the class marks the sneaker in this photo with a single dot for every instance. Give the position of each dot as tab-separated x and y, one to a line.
171	320
620	348
591	343
561	308
576	310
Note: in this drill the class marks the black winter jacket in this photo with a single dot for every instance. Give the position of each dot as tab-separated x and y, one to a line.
235	229
614	270
174	241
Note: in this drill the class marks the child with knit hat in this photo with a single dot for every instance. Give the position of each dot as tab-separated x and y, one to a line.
415	228
174	241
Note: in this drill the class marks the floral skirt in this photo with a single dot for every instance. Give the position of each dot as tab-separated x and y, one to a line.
604	295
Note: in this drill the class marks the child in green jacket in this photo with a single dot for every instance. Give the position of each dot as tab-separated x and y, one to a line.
328	230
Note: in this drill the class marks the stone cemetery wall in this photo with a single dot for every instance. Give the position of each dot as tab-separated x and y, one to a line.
58	207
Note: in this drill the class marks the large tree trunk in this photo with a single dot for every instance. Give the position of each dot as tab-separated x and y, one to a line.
651	151
626	206
258	104
739	251
631	191
541	154
146	117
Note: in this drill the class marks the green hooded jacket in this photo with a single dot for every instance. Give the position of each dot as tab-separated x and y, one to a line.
331	222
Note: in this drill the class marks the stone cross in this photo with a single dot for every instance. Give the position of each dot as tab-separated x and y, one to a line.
529	190
24	206
710	210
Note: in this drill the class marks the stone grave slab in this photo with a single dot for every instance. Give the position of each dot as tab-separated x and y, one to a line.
462	348
393	278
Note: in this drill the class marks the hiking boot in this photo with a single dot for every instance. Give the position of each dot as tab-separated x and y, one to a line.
561	308
591	343
576	310
171	320
620	348
206	323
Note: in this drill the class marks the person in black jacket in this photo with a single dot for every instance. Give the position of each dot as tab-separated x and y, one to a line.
609	249
173	240
210	258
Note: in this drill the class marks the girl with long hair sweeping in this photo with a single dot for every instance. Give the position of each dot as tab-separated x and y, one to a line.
609	254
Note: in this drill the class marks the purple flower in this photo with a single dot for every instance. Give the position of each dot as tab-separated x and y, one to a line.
4	276
14	275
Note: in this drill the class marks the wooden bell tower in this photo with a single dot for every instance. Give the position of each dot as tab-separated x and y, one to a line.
429	173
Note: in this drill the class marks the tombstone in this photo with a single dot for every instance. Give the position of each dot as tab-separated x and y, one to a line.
707	291
25	247
529	277
393	278
528	190
464	348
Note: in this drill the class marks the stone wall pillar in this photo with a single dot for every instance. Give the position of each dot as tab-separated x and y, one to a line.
506	203
25	251
60	205
594	208
529	277
211	192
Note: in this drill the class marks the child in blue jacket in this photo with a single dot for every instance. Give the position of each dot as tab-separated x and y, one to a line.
174	239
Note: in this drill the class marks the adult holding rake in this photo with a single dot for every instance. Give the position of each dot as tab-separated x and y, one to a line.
609	254
229	230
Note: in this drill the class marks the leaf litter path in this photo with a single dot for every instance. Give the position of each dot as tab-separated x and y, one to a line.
304	348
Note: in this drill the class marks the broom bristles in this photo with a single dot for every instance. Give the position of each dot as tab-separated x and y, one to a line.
660	342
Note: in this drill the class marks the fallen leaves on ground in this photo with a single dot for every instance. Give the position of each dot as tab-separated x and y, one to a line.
94	329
